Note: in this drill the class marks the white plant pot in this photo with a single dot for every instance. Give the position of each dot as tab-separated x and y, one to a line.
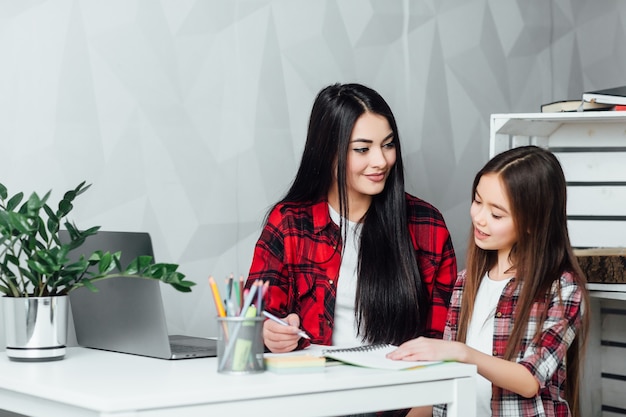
35	327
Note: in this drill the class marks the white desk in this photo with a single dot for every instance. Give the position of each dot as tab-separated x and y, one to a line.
95	383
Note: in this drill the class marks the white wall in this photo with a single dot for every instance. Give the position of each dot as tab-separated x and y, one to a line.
189	117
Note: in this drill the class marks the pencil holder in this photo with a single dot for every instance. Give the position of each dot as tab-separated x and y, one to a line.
240	345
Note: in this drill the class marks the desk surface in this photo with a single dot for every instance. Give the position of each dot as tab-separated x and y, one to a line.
90	382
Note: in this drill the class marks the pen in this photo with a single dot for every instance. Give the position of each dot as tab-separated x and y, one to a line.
248	300
229	286
259	297
272	317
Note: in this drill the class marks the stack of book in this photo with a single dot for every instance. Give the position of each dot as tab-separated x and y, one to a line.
612	99
613	96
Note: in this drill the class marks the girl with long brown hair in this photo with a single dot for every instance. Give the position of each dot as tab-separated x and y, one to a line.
517	309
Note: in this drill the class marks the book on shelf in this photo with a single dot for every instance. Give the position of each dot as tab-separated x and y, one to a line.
574	105
316	357
614	96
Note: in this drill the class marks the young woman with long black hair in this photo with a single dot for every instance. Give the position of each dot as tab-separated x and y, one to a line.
350	257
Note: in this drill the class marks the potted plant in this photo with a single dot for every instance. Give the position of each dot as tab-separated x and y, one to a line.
36	273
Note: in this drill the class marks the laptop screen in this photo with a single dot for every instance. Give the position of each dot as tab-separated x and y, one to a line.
126	314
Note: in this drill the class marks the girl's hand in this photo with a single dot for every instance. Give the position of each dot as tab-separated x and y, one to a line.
502	373
279	338
426	349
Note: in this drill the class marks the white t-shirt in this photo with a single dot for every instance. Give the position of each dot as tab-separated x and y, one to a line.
480	335
344	330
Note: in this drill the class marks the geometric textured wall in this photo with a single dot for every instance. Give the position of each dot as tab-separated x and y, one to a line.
189	117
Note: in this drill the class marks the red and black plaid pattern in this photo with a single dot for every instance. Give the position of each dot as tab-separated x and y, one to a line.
544	358
299	253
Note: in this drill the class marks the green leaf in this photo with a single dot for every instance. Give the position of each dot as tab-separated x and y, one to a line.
32	276
90	232
87	283
4	289
105	263
81	188
37	267
76	268
3	192
14	201
13	289
20	223
49	212
42	231
47	257
180	288
65	207
12	259
134	266
69	196
34	203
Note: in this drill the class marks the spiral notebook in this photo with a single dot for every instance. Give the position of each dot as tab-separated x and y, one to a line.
372	356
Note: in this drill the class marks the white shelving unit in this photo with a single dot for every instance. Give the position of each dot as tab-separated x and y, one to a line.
591	147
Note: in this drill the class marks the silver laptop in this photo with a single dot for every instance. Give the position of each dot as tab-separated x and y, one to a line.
126	315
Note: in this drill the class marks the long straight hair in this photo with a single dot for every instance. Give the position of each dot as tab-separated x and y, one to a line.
389	305
536	189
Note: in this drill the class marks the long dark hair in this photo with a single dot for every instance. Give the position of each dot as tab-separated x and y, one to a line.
537	192
390	300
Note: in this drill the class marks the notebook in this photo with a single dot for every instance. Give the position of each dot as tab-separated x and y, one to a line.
126	315
372	356
368	356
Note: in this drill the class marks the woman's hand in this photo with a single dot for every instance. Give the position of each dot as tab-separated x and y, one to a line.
426	349
279	338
